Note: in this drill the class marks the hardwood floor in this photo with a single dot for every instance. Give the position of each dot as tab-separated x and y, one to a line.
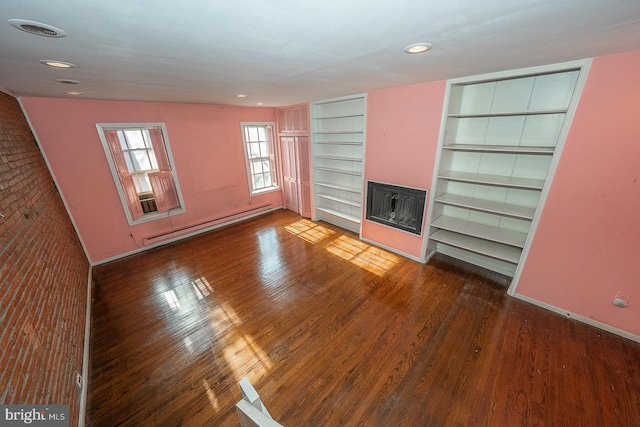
334	332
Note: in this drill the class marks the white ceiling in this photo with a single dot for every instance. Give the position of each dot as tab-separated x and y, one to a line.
282	52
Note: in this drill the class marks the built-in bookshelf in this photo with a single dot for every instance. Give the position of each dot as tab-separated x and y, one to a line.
500	142
338	135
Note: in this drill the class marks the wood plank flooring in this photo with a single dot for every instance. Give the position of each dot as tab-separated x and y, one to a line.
334	332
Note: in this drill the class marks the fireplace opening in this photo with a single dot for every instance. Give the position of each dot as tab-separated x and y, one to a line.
398	207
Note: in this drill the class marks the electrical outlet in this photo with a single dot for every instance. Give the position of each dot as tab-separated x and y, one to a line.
79	380
621	299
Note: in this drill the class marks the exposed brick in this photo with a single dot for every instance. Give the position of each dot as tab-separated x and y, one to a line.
43	276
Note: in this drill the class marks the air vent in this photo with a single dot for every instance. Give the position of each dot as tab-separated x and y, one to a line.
37	28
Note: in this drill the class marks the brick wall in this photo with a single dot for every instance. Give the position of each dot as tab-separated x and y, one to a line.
43	276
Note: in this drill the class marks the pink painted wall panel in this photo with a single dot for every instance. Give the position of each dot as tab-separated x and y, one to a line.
403	125
587	244
206	143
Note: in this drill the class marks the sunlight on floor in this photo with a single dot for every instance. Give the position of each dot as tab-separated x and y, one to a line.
211	395
201	287
241	352
372	259
172	300
309	231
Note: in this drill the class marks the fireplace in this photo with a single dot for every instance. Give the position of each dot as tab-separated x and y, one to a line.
398	207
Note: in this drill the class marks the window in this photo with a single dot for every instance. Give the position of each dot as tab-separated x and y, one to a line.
141	164
261	157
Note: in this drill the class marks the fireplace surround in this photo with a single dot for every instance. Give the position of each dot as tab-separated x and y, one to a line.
395	206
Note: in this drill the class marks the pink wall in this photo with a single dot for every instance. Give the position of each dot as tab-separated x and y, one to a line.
587	244
207	148
403	125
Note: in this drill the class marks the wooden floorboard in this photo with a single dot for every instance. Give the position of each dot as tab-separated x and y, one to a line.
335	332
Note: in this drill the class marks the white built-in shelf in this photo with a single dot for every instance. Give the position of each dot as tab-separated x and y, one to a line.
338	132
338	129
508	149
339	142
340	187
339	199
481	231
345	158
508	127
337	117
336	170
507	113
505	181
343	215
515	211
480	246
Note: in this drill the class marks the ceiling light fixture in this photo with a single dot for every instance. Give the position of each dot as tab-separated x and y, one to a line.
417	48
57	64
37	28
74	93
241	95
69	81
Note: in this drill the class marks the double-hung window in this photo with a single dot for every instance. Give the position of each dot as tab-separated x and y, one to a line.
142	167
261	157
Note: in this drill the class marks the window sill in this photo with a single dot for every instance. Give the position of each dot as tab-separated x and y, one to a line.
264	191
156	215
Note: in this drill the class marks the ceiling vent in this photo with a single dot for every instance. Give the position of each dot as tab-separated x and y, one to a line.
37	28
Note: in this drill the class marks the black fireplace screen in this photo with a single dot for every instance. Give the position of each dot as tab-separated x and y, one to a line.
398	207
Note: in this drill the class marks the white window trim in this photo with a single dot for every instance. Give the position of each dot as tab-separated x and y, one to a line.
278	184
101	127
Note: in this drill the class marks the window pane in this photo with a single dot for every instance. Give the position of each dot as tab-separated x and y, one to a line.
136	183
154	162
264	149
135	138
145	185
256	166
266	166
141	160
254	150
262	133
267	180
147	138
258	181
127	158
123	142
253	133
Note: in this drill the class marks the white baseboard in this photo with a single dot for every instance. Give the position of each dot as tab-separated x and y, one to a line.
390	249
184	236
579	318
85	353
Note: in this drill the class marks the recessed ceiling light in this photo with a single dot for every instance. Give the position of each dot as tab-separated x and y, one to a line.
74	93
57	64
69	81
37	28
260	103
241	95
417	48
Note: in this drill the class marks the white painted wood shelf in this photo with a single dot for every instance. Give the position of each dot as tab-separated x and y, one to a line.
503	181
479	246
499	139
499	208
500	149
338	127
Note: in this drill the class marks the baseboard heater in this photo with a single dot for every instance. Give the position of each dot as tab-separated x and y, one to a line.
195	227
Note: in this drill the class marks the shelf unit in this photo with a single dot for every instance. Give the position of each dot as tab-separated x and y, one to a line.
500	141
338	137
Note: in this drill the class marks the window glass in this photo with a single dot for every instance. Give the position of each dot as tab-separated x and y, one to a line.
147	185
261	156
